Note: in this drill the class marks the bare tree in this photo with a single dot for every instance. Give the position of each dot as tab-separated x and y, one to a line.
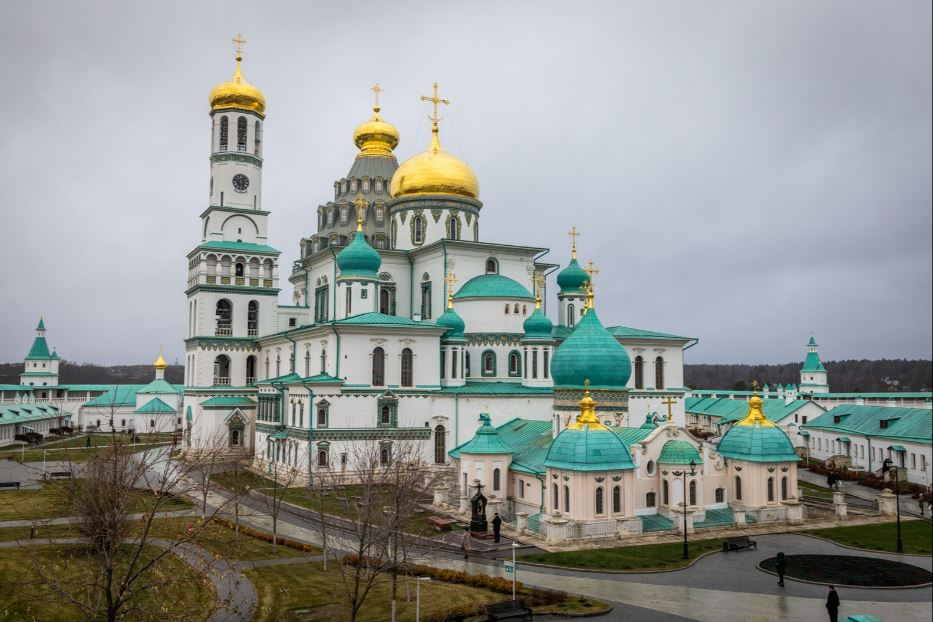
285	470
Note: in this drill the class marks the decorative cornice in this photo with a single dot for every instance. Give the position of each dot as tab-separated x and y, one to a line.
235	156
234	289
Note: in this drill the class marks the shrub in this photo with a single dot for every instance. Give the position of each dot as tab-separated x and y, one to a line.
266	537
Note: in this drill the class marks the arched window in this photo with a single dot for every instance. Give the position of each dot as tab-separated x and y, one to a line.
496	479
323	361
524	309
440	445
384	456
600	509
720	495
492	266
566	499
321	416
379	367
453	228
252	318
738	488
224	317
693	492
417	230
617	500
555	497
224	132
322	458
385	415
250	369
222	370
571	315
784	488
665	496
659	373
639	372
507	308
770	489
257	139
238	269
515	364
651	499
407	368
489	363
241	134
521	489
515	308
466	365
394	234
384	307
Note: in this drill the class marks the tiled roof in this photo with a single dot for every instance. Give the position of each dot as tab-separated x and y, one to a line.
485	441
679	452
382	319
907	424
23	413
735	409
155	407
160	386
245	247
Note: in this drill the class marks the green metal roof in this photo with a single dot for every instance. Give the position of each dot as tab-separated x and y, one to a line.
812	362
571	279
160	386
538	326
38	373
358	259
39	349
776	410
589	447
679	452
896	448
497	388
529	442
381	319
636	333
843	439
155	406
286	379
757	443
591	353
891	395
228	401
23	413
116	395
493	286
41	325
322	379
630	436
244	247
453	322
485	441
905	424
16	387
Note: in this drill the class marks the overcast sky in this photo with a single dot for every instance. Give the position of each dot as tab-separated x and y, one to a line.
747	173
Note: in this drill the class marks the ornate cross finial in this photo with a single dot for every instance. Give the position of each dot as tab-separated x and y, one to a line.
238	43
669	402
537	282
586	384
592	271
574	234
376	89
361	205
435	100
755	386
450	279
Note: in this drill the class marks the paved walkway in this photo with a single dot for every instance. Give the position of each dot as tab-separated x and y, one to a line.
909	507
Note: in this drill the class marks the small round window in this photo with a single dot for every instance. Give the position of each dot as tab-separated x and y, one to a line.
649	468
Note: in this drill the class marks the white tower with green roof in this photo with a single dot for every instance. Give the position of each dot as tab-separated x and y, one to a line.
41	369
813	376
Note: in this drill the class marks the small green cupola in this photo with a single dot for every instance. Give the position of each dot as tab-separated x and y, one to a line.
485	441
572	278
812	362
359	260
452	321
679	452
755	439
537	326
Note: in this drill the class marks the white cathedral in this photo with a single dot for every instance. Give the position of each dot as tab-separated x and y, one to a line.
407	326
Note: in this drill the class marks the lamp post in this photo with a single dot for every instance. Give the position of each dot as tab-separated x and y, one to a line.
514	569
684	474
886	466
418	597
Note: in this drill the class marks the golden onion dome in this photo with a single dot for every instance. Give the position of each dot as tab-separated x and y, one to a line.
375	137
237	93
435	171
160	362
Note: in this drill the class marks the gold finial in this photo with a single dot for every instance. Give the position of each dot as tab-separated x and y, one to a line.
376	89
450	280
160	362
435	143
669	402
574	234
361	205
238	43
537	282
754	386
756	415
592	271
587	414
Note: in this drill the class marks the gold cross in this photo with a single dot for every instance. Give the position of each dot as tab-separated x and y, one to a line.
450	279
592	271
669	402
755	386
376	89
574	234
537	282
360	204
586	384
435	100
238	42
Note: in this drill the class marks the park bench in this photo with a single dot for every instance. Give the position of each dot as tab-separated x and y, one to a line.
738	543
59	473
508	610
9	485
441	524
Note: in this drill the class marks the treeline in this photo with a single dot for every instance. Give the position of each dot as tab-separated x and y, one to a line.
88	373
844	376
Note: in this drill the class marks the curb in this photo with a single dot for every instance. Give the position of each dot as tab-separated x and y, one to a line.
601	571
854	587
571	614
855	548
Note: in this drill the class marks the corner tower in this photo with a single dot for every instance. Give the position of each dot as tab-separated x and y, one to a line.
41	366
813	376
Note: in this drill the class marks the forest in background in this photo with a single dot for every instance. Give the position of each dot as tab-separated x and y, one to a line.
844	376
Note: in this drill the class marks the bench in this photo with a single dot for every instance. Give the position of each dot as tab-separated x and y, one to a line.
508	610
738	543
9	485
60	473
441	524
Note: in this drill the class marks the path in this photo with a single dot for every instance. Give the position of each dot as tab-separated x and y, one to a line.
909	507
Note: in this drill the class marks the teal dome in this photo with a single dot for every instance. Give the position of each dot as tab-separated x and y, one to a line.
588	447
538	326
591	353
571	279
486	440
359	259
679	452
755	439
454	323
493	286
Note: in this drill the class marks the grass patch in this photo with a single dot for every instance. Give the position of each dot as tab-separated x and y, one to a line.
75	449
851	570
25	598
225	542
814	490
43	532
666	556
51	501
916	535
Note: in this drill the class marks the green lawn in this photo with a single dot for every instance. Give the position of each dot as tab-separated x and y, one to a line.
186	593
917	536
51	501
814	490
223	541
667	556
43	532
75	449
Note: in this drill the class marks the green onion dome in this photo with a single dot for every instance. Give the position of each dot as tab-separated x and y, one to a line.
755	439
454	323
359	259
493	286
538	326
486	440
679	452
571	279
591	353
588	445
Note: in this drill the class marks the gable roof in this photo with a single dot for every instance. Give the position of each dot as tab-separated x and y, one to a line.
729	409
156	406
160	386
116	395
906	424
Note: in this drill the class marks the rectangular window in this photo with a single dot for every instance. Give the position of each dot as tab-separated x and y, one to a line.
443	364
349	300
426	301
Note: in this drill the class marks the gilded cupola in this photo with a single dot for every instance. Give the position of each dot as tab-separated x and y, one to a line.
237	93
435	170
376	137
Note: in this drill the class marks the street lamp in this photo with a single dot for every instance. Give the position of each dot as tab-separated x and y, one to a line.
418	597
514	570
684	473
886	466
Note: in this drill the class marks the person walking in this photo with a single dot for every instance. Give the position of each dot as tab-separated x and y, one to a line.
830	480
496	528
832	604
920	503
467	543
87	442
781	566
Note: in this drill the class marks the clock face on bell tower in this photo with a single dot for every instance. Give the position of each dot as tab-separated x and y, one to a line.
240	182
